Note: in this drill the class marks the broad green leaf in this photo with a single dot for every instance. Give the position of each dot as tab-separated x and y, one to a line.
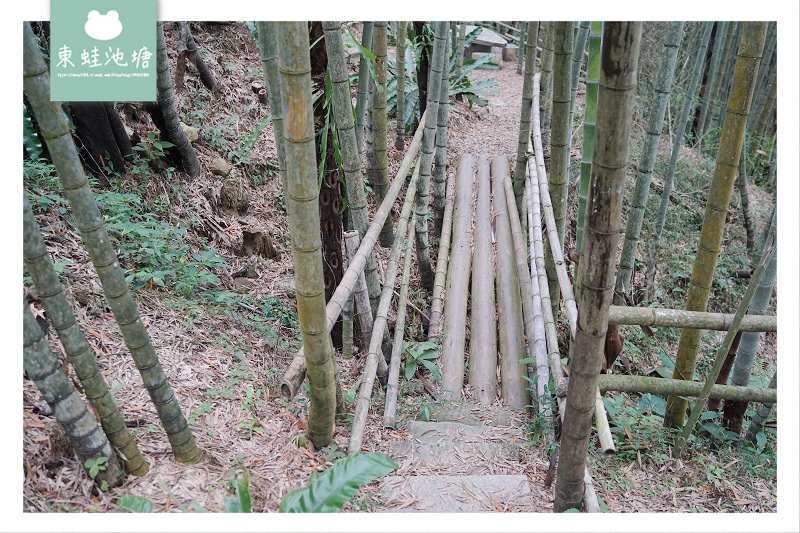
136	504
339	483
434	370
241	502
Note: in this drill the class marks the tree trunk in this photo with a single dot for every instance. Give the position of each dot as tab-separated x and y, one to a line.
423	69
294	65
719	196
101	149
604	210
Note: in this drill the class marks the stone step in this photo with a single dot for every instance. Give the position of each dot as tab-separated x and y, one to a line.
451	458
449	494
428	432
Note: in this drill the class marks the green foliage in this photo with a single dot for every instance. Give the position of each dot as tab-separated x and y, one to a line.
40	181
30	138
94	467
329	491
136	504
423	353
240	503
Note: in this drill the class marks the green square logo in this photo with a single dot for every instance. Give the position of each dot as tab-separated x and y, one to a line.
102	50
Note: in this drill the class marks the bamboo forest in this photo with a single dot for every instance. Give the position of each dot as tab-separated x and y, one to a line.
256	293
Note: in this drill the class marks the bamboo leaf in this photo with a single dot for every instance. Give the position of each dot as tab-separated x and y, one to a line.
334	487
240	503
136	504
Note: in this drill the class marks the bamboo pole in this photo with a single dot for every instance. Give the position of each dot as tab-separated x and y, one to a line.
525	109
294	376
528	308
551	339
363	82
455	306
89	220
678	318
268	45
440	153
509	310
400	67
680	387
560	268
483	335
442	260
360	293
392	389
374	354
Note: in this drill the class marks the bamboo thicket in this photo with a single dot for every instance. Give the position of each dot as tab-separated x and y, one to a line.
604	210
89	221
719	195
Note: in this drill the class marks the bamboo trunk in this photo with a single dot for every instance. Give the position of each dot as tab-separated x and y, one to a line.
374	354
363	82
268	45
400	67
440	155
681	387
455	307
509	305
483	334
393	386
360	293
525	110
678	318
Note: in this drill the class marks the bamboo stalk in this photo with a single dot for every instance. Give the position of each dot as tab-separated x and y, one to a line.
509	309
455	306
268	45
678	318
294	376
442	259
360	293
374	354
51	294
88	219
79	424
363	82
681	387
400	67
392	389
483	338
525	109
440	153
560	269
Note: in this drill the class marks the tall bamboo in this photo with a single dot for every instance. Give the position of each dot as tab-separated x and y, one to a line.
364	81
688	106
763	76
722	353
525	111
377	170
483	337
617	89
426	157
51	294
88	219
748	347
708	95
400	67
559	141
719	195
348	147
548	53
761	124
166	100
268	45
302	194
440	155
716	87
578	51
647	160
455	306
513	386
747	220
374	353
462	35
521	51
44	369
589	118
663	386
360	292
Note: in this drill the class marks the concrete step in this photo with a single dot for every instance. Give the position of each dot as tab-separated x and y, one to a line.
449	494
427	432
453	458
